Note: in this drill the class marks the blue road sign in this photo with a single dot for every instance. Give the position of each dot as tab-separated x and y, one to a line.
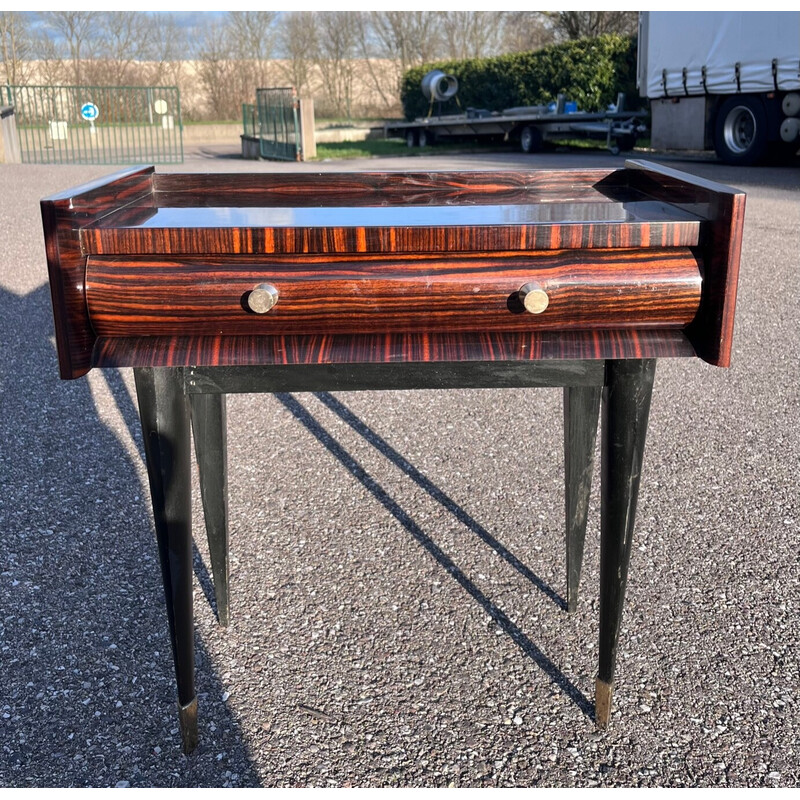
89	111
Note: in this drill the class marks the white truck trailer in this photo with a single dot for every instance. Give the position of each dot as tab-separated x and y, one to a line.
723	79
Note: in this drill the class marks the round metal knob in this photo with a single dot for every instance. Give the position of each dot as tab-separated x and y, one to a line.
534	298
262	298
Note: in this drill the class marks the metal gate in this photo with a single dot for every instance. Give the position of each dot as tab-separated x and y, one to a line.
278	128
98	124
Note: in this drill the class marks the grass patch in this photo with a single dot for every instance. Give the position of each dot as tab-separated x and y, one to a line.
370	148
343	122
376	148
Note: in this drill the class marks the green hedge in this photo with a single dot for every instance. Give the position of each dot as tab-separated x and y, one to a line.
588	71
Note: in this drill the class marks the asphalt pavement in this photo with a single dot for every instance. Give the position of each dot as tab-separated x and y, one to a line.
397	561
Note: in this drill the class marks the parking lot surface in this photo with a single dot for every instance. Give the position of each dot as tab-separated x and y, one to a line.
398	561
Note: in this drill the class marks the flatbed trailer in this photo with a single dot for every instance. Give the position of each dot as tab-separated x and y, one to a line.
530	126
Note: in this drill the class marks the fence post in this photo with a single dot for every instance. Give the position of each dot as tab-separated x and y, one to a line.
308	144
9	136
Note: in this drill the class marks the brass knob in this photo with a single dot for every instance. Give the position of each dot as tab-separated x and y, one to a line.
262	298
534	298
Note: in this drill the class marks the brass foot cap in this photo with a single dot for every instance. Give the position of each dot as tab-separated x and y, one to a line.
572	604
603	693
187	715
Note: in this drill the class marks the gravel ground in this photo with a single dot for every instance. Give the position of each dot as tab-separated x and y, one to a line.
397	563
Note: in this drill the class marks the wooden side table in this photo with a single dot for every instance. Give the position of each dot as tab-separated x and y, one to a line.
215	284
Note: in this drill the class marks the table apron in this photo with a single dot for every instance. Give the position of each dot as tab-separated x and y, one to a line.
364	377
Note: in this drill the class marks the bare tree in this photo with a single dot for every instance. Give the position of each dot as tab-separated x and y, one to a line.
382	73
252	37
399	40
216	71
167	45
16	47
336	51
109	48
77	29
297	38
347	59
51	67
473	34
122	44
579	24
525	31
410	37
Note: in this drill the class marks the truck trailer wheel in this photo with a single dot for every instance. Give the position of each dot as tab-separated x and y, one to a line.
530	139
740	134
412	138
426	138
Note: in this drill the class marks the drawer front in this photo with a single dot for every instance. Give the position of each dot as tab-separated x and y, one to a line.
247	295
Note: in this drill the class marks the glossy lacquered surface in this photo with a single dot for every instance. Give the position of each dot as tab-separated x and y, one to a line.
390	213
387	348
585	289
387	216
636	254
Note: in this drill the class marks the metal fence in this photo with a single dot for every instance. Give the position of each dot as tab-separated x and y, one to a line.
275	123
98	124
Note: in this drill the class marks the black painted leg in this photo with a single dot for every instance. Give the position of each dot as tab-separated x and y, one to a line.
210	444
164	413
581	410
626	407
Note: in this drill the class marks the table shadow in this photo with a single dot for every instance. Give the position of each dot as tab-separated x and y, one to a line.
500	618
383	447
89	695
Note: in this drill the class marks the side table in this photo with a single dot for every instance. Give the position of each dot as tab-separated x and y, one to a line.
209	285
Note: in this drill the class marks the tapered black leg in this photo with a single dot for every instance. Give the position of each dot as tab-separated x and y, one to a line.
210	444
164	413
581	410
626	407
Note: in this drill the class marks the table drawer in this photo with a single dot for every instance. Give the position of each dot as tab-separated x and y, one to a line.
156	295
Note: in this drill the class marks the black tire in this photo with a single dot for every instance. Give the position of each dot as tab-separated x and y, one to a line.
426	138
740	133
530	139
412	137
627	141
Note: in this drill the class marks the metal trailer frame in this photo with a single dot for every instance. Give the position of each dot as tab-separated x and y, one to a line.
530	126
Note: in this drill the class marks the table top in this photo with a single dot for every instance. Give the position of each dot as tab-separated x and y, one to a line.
389	212
466	212
149	236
